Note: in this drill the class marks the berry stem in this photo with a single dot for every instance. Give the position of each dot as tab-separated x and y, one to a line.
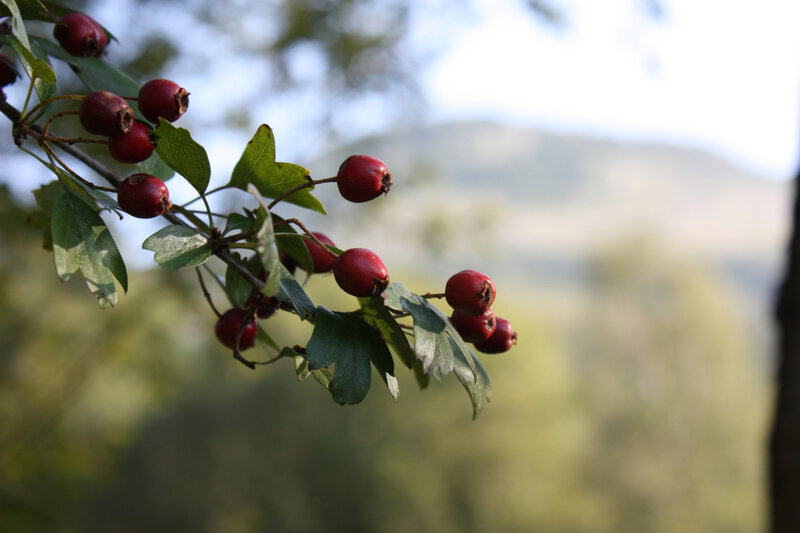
308	234
206	294
428	295
309	184
51	153
42	104
236	353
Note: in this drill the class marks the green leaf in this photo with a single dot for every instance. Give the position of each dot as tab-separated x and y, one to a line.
46	197
350	345
379	317
266	248
239	222
40	71
81	241
178	247
182	154
33	9
430	325
473	377
258	166
96	74
293	294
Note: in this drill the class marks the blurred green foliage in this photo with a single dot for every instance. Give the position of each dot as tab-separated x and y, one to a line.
640	410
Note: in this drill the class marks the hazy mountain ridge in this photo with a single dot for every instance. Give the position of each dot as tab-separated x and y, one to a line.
532	201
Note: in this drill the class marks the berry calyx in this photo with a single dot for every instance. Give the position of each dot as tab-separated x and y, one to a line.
80	35
470	292
143	196
133	146
162	98
105	113
503	338
228	325
474	328
322	259
7	73
361	272
362	178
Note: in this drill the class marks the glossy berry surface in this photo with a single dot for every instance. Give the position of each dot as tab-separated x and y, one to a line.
323	260
470	292
132	147
80	35
105	113
360	272
143	196
474	328
163	98
7	74
228	325
362	178
503	338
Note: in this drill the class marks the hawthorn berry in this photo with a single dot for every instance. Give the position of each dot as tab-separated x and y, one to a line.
360	272
470	292
80	35
322	259
162	98
143	196
7	74
474	328
105	113
228	325
503	338
133	146
362	178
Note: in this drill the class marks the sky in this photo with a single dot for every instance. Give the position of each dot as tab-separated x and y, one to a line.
722	75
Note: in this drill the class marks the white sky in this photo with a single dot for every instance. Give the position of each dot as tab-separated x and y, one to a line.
719	74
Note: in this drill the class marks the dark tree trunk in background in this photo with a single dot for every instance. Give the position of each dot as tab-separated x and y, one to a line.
784	449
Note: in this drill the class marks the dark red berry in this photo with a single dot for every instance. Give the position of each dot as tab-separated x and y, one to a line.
228	325
474	328
362	178
143	196
105	113
7	74
361	272
162	98
501	340
322	259
80	35
132	147
470	292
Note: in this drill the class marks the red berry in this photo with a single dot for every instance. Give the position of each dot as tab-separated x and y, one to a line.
7	74
228	325
288	262
322	259
501	340
474	328
470	292
362	178
162	98
143	196
361	272
80	35
132	147
105	113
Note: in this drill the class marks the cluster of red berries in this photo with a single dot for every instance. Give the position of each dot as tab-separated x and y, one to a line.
471	293
105	113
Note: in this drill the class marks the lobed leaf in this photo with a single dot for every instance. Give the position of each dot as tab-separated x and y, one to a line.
177	247
266	247
257	166
349	344
81	241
